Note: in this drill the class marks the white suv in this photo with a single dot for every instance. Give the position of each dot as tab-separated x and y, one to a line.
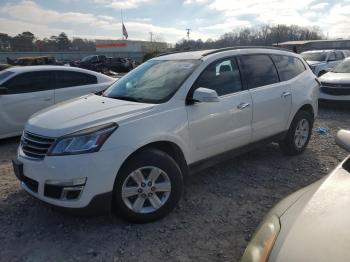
130	148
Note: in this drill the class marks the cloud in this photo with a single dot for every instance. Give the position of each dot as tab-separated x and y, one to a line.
122	4
319	6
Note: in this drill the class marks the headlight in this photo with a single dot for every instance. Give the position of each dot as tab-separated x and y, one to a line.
259	248
84	141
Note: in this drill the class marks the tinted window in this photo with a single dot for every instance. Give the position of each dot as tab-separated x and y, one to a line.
288	66
222	76
70	78
258	70
339	55
30	82
331	57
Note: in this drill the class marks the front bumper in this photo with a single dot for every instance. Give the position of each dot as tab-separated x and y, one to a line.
99	169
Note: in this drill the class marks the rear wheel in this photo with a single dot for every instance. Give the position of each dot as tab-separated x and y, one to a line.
298	135
148	187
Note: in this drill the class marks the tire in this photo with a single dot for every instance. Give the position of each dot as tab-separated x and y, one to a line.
146	203
291	145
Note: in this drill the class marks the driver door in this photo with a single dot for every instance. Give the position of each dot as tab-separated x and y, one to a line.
217	127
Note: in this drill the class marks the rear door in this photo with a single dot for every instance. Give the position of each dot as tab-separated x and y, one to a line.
217	127
27	93
70	84
271	98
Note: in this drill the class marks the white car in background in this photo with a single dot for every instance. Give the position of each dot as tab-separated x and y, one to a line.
311	224
322	61
26	90
335	85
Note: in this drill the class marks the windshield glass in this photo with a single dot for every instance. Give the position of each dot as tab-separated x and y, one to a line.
317	56
154	81
87	58
5	74
343	67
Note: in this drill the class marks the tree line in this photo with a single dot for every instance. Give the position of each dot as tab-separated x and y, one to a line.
264	35
28	42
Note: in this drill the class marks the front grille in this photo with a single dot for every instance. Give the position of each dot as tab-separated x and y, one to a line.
31	184
335	91
35	146
335	85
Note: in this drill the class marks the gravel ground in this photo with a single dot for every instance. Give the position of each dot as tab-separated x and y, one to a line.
220	209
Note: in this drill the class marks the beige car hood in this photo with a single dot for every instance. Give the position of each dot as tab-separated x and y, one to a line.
317	226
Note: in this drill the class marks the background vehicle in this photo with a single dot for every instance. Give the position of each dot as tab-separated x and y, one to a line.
101	63
312	224
35	60
335	85
26	90
131	147
322	61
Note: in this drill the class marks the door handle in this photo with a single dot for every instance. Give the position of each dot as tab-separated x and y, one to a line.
285	94
241	106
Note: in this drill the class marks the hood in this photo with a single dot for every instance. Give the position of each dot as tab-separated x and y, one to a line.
315	63
335	78
81	113
317	226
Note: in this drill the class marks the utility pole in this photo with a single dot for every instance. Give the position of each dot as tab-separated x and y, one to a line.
188	33
151	34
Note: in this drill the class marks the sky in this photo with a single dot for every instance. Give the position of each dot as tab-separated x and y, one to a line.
168	19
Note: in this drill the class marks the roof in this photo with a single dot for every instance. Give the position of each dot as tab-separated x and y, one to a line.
22	69
199	54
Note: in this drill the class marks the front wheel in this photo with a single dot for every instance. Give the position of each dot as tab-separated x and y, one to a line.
148	187
298	135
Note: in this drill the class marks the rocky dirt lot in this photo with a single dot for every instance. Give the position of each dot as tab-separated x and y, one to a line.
220	209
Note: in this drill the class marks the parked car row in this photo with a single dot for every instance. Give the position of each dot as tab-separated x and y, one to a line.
98	63
101	63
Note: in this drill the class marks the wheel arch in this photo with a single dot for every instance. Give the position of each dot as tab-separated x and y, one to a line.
169	147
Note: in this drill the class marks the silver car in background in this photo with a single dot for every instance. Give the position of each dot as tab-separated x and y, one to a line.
335	85
312	224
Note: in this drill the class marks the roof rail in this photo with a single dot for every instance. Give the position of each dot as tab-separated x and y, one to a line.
244	47
175	52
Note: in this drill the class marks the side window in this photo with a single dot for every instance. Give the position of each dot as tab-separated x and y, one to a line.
222	76
288	67
70	79
30	82
331	57
258	70
339	55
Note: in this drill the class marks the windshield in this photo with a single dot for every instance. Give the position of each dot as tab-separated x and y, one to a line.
5	74
343	67
87	58
316	56
155	81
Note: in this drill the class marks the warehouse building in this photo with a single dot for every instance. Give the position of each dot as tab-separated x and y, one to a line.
306	45
129	48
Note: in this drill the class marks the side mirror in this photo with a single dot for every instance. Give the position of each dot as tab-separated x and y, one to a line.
3	90
343	139
202	94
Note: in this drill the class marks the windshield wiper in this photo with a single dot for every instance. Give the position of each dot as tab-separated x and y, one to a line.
127	98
